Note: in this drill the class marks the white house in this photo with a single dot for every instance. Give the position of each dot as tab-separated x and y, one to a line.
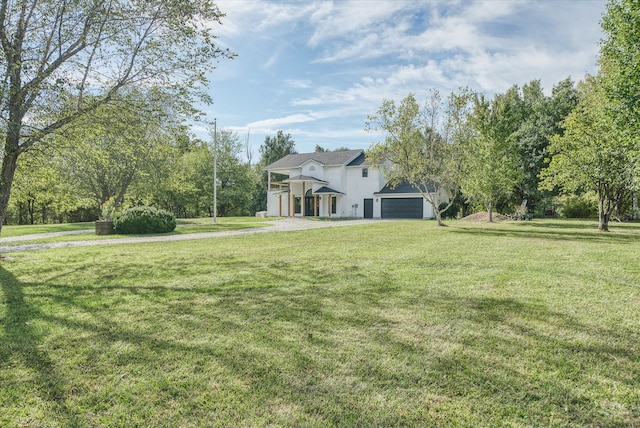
338	184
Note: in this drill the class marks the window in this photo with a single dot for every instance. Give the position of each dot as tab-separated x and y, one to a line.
365	172
334	205
296	202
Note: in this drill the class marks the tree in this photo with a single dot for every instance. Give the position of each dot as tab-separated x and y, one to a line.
542	117
593	153
41	194
418	148
273	149
620	70
491	167
113	145
60	60
235	178
190	184
620	59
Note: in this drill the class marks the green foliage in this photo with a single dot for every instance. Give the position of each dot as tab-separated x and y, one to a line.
63	60
140	220
574	206
272	150
417	148
491	165
457	209
542	118
42	194
620	58
593	153
116	145
275	148
236	179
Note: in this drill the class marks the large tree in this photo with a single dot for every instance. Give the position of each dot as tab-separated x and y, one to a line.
620	59
542	118
593	153
236	180
418	147
491	167
273	149
113	146
60	59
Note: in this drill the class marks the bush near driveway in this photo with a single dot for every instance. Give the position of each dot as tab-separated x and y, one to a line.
144	220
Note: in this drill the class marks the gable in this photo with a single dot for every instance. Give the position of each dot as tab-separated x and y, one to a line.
297	160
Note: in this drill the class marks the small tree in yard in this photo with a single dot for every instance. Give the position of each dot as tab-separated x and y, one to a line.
490	164
418	147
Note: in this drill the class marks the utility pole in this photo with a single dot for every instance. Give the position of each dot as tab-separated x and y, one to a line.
215	172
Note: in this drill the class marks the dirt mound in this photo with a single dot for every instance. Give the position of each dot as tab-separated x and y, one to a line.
484	216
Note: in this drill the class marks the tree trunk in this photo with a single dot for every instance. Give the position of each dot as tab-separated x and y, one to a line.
603	215
438	217
490	209
31	206
9	164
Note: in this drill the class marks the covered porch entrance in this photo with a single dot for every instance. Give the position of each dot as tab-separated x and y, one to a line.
302	200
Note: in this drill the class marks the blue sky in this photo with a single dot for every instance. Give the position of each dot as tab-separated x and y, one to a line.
317	69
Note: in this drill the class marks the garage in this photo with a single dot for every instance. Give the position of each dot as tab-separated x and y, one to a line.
401	208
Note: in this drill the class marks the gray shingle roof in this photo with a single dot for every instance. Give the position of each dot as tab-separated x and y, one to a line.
325	189
304	178
403	187
360	161
324	158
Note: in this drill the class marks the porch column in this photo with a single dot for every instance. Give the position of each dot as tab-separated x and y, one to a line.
280	205
315	205
292	203
303	199
329	204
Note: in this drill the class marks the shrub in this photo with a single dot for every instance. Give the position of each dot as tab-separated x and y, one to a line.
144	220
583	206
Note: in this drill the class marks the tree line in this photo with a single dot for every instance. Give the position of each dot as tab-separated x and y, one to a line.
521	146
93	97
124	155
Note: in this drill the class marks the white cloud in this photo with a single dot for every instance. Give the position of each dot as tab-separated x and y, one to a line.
298	83
277	122
330	63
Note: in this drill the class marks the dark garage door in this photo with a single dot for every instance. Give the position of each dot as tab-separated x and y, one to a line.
401	207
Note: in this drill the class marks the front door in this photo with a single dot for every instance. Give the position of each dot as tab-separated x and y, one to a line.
309	205
368	208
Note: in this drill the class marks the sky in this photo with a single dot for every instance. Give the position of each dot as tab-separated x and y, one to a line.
318	69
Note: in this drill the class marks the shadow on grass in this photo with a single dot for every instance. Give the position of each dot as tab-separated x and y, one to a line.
23	342
313	352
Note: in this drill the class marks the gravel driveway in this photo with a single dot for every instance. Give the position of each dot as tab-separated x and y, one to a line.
282	225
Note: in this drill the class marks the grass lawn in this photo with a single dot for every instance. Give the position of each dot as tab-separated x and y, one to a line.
389	324
184	226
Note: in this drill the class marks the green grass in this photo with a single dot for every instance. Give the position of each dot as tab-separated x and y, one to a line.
390	324
30	229
184	226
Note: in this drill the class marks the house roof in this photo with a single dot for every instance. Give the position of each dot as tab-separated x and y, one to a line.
360	160
403	187
304	178
323	158
328	190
